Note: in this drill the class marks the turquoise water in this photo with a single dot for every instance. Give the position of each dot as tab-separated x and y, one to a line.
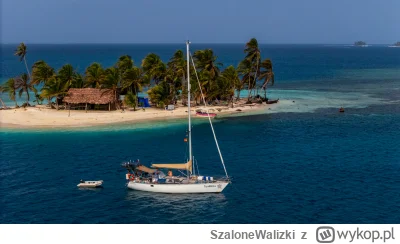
304	163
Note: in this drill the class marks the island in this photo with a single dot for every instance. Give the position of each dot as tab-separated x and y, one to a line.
360	44
155	89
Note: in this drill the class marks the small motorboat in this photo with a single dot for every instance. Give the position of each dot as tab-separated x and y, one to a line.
205	114
90	184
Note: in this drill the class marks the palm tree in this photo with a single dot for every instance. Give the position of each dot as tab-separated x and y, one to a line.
94	75
230	80
22	83
160	94
208	69
78	81
21	52
66	74
205	60
53	88
9	87
130	100
154	67
176	72
41	72
267	74
245	70
253	55
133	79
1	100
223	89
124	63
111	82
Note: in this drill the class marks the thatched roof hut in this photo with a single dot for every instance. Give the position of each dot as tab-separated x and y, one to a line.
90	96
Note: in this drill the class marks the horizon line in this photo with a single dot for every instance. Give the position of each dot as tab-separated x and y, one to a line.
175	43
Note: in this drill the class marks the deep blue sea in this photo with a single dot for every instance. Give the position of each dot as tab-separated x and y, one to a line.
303	164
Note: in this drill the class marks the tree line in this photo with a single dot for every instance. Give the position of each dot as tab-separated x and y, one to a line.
166	82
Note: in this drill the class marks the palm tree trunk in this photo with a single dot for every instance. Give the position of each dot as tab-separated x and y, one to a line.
4	106
265	93
248	91
27	95
26	65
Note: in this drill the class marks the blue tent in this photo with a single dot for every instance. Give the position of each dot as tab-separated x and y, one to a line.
143	102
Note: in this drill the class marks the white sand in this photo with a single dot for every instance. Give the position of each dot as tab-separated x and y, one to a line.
292	101
40	116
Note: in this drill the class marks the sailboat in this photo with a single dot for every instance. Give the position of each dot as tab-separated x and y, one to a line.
153	179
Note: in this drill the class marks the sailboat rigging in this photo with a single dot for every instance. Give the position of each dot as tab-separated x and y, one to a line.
142	178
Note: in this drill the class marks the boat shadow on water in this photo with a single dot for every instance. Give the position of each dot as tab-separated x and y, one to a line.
180	208
99	188
133	195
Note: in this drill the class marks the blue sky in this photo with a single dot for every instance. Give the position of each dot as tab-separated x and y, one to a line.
202	21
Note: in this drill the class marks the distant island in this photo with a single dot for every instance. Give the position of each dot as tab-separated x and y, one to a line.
360	44
397	44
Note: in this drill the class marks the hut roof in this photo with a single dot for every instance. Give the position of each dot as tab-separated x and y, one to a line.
89	95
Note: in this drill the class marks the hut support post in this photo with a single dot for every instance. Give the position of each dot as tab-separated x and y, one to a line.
86	108
69	109
109	106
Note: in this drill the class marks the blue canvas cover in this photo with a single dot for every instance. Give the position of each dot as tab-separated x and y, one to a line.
143	102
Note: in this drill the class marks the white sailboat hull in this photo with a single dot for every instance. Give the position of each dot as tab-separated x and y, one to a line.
179	188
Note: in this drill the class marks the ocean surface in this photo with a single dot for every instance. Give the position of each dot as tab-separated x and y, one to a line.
304	163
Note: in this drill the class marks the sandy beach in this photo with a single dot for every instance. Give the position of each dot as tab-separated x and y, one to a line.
44	117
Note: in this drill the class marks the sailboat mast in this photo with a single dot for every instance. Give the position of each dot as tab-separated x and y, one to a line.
188	83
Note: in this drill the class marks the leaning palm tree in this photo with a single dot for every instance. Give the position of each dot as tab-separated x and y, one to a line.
22	83
267	74
130	100
21	52
111	83
41	72
94	75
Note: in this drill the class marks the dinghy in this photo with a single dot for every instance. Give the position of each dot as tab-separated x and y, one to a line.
90	184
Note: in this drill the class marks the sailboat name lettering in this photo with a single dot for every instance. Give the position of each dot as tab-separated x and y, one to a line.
210	186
